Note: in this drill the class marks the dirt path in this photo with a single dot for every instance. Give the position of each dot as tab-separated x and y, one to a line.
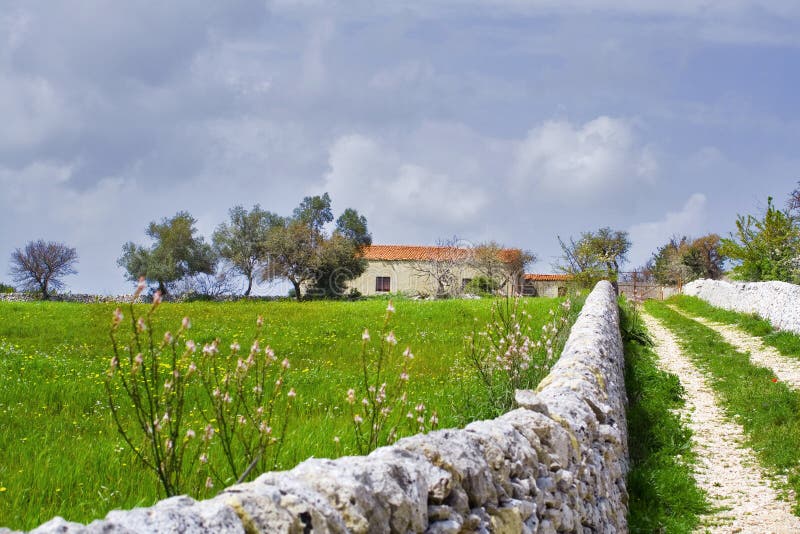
786	369
742	499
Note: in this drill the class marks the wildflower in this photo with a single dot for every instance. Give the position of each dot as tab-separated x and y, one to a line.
420	407
365	335
114	362
254	348
285	363
168	444
257	389
270	354
235	347
260	410
292	393
140	326
190	434
138	359
390	339
364	401
404	376
259	321
434	419
168	385
264	428
192	368
209	433
226	397
351	396
186	324
116	317
242	420
336	439
203	458
774	380
167	338
157	297
358	419
190	346
209	483
390	307
408	354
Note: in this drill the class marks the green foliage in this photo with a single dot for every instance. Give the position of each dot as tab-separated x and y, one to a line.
683	260
766	248
243	240
175	253
5	288
595	256
301	251
767	409
664	496
482	285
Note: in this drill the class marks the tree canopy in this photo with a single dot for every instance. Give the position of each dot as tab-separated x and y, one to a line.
766	248
596	255
41	265
176	252
301	251
242	241
682	260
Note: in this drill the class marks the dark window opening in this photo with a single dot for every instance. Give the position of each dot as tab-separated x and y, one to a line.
383	283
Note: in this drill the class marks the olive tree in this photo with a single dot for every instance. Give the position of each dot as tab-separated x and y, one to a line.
176	252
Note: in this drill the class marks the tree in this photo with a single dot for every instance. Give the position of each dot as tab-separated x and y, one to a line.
499	264
175	253
765	249
243	241
595	255
443	267
683	260
793	205
41	265
300	250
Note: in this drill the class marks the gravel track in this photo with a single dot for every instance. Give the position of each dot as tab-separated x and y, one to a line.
786	369
740	495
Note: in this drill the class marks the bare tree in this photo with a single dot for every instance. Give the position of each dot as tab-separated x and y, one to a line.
442	266
794	201
41	265
499	264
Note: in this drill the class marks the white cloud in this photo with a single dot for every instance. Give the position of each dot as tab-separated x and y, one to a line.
395	194
648	236
559	157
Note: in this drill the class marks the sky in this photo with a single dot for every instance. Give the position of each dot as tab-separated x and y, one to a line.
510	120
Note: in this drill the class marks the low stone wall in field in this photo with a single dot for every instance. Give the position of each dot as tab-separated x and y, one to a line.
778	302
555	464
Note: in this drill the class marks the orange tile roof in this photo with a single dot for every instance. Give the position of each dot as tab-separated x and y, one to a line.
547	277
420	253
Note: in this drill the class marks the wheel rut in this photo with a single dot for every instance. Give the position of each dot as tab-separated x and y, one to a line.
742	499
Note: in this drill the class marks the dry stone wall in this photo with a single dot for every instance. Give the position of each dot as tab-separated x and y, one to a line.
555	464
778	302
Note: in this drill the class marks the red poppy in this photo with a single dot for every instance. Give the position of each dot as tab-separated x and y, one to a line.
774	380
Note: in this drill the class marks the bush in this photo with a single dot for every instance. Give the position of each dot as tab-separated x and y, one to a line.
4	288
482	285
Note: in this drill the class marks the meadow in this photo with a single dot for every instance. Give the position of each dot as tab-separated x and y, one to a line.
61	454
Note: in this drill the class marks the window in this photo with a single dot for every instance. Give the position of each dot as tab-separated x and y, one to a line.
465	282
383	283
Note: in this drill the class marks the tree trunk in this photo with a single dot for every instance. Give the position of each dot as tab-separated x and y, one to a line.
163	288
297	294
249	286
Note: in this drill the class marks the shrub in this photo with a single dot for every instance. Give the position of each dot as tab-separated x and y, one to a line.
482	285
4	288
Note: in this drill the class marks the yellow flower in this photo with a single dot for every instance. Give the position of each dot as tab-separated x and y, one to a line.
2	489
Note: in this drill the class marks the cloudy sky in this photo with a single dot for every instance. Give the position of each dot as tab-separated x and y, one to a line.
513	120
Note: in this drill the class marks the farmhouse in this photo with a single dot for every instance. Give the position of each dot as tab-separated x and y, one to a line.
545	285
421	270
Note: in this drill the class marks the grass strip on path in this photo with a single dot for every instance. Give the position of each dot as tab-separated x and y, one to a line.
767	410
787	343
664	496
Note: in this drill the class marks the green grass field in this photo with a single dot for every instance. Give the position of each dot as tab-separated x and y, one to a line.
60	453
